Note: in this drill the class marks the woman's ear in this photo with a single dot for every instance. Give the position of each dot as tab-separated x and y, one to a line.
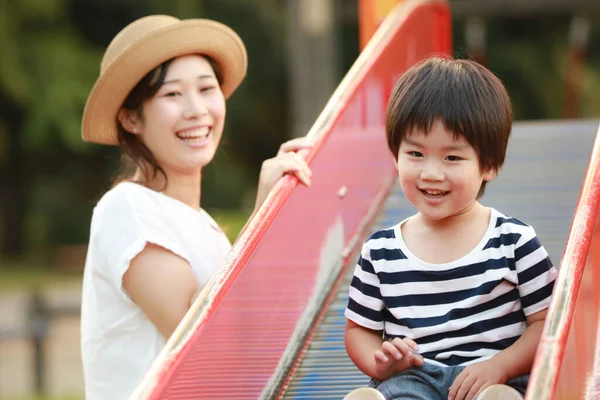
129	120
490	174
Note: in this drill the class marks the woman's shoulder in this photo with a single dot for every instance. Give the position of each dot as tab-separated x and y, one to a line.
124	205
126	195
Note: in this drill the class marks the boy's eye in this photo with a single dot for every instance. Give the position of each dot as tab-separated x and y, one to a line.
415	154
453	158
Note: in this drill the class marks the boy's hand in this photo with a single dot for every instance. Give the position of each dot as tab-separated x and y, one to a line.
474	378
396	356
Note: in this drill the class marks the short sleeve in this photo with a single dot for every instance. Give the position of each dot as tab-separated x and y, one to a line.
535	272
124	222
365	303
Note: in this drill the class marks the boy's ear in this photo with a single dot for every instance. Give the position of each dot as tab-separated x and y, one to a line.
130	121
490	174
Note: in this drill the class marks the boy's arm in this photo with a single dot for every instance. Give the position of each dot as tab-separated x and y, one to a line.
361	345
518	358
536	280
377	358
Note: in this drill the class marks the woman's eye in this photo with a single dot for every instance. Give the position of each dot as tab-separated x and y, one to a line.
415	154
207	88
171	94
453	158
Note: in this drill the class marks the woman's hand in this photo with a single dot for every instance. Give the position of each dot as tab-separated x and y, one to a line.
287	161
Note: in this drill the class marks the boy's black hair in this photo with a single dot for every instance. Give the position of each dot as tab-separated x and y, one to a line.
466	97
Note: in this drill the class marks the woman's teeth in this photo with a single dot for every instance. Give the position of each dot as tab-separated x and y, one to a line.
194	135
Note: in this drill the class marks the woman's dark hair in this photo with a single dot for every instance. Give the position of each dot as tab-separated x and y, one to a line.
134	153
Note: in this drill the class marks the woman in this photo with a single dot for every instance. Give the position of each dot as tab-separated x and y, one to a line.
161	97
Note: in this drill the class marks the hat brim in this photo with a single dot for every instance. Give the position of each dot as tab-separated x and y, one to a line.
192	36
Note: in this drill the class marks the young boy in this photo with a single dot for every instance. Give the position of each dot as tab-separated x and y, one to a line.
451	300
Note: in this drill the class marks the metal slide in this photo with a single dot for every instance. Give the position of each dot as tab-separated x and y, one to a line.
539	184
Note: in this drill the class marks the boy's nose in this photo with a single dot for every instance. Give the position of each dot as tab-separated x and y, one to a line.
432	173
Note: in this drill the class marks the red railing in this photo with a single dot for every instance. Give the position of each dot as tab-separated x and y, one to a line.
238	339
564	362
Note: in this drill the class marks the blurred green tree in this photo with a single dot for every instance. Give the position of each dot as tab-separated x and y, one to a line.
49	178
45	71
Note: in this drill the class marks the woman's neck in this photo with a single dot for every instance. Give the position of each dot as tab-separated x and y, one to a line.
183	187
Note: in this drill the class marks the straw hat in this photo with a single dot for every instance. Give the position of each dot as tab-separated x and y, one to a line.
142	46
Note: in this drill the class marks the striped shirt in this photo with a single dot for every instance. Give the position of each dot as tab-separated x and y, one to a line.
460	312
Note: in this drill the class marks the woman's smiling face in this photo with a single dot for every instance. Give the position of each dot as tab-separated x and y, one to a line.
182	123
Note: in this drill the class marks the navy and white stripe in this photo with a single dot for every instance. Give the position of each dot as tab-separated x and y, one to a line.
460	312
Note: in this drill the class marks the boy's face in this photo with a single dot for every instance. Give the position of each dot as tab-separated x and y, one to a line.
439	174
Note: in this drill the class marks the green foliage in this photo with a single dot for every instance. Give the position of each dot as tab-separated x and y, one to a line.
530	55
231	221
45	69
61	71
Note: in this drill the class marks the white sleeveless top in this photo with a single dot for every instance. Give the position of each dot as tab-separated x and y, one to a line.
118	341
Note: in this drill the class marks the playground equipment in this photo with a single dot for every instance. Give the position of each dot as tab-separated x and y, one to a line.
270	323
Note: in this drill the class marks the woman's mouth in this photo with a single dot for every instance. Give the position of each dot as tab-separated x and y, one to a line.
195	136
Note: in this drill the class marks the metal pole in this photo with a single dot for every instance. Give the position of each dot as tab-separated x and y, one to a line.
579	33
475	38
313	60
39	321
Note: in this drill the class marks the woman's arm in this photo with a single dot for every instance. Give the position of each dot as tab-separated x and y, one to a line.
162	285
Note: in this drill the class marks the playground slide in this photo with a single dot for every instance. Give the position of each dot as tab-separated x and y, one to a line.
545	167
249	333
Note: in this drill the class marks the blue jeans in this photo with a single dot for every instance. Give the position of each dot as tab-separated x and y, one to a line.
429	382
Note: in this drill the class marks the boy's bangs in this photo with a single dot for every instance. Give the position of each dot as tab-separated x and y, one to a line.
451	103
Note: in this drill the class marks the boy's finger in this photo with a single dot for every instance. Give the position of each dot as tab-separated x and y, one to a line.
456	385
417	360
481	389
380	357
391	350
474	391
402	346
464	388
411	343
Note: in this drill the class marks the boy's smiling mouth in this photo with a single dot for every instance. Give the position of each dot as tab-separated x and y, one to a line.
434	192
